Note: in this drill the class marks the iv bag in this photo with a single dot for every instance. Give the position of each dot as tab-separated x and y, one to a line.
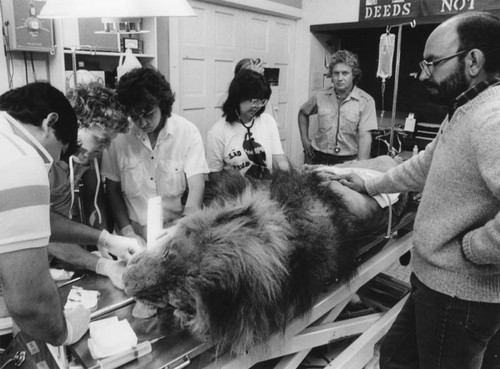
385	55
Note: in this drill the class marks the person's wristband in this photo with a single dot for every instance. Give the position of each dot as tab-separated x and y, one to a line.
127	231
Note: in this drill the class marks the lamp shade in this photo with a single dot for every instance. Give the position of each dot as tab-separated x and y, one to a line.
115	8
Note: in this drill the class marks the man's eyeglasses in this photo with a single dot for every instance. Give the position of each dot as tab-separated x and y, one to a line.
428	66
257	102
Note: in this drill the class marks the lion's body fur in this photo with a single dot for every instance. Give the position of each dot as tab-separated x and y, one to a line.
256	256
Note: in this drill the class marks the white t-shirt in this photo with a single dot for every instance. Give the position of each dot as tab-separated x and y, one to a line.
145	173
225	148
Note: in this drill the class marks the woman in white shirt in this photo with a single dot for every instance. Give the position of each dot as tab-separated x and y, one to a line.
245	138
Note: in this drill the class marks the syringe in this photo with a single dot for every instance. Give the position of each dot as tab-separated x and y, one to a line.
117	360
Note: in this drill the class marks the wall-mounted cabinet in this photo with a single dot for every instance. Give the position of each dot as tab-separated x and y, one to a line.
96	52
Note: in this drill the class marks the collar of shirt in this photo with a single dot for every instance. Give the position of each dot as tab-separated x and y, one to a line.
24	134
471	93
165	131
354	94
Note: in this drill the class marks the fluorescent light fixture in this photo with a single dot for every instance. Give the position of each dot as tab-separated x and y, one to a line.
115	9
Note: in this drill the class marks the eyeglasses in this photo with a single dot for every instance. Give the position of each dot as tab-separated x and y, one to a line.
428	66
256	102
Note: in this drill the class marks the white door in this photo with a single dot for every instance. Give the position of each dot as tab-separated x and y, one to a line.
209	46
212	43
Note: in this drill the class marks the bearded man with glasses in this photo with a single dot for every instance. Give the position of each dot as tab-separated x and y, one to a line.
452	316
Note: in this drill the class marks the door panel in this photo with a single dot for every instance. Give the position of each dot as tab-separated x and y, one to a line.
212	43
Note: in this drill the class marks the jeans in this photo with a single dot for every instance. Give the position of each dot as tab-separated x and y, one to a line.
437	331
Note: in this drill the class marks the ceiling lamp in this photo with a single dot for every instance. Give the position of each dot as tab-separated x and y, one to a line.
115	9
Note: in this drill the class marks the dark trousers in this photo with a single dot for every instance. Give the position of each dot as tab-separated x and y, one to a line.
328	159
437	331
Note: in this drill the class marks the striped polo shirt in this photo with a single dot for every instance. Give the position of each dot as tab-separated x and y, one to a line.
24	192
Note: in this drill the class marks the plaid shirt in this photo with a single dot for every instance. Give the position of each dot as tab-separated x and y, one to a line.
471	93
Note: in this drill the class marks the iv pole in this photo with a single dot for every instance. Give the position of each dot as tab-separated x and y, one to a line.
392	152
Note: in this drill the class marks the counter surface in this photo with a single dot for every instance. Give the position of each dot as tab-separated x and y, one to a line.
176	348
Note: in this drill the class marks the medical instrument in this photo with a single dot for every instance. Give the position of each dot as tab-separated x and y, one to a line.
385	55
135	352
336	148
384	69
108	309
396	77
155	220
72	281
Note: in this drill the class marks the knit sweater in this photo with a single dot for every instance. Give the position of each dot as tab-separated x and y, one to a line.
456	238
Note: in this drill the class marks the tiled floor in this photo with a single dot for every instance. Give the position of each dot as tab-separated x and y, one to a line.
399	271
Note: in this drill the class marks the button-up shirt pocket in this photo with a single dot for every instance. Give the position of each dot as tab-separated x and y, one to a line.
132	177
351	121
171	178
327	118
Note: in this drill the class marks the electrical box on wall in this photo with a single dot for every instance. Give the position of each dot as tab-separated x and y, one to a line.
23	29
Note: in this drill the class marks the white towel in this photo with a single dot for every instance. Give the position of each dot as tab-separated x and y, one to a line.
79	296
383	200
110	336
60	274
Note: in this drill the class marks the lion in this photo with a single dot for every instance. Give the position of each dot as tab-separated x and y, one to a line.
256	256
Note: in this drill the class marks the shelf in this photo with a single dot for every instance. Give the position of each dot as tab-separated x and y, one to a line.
121	32
106	53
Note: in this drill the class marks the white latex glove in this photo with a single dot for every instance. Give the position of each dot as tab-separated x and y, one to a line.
121	247
104	253
128	231
77	323
111	269
164	235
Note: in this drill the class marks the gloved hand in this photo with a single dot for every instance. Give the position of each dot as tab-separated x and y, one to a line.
121	247
128	231
104	253
165	235
77	323
111	269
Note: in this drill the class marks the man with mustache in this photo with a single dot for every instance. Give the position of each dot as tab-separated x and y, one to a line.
36	124
452	316
346	114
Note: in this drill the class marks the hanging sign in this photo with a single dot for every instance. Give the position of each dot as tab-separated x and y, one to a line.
393	9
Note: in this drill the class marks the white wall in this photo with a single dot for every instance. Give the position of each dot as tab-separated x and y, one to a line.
309	52
4	78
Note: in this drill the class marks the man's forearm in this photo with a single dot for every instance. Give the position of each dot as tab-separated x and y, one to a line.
364	145
117	204
303	126
74	255
194	200
67	231
31	295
